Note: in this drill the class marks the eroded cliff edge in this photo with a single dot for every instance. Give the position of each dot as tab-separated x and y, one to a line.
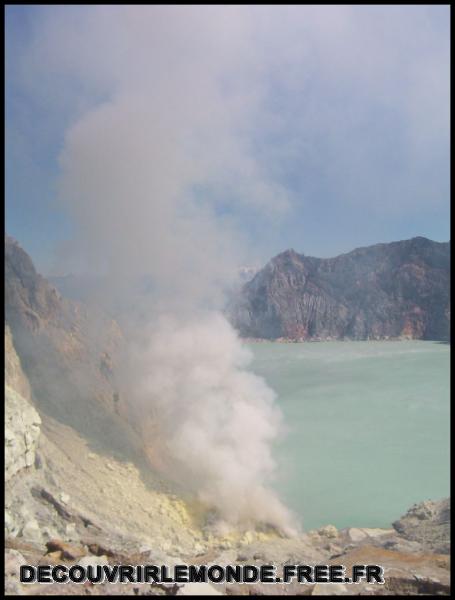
396	290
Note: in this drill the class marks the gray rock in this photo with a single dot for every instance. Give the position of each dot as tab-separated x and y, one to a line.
22	430
330	589
64	498
198	589
403	545
32	532
427	523
329	531
22	422
93	561
12	527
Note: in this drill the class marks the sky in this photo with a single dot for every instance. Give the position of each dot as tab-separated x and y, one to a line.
318	128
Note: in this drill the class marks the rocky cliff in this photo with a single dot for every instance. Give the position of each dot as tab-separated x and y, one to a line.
69	353
396	290
22	422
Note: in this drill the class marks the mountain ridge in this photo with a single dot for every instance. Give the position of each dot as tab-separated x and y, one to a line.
387	290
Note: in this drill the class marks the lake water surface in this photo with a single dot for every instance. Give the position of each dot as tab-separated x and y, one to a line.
368	427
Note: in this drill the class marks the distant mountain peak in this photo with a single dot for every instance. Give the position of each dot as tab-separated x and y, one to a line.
390	290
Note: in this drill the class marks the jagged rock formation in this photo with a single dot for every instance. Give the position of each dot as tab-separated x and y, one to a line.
429	524
14	375
22	422
22	429
384	291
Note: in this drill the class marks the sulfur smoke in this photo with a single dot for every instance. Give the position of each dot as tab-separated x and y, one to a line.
138	174
210	421
206	420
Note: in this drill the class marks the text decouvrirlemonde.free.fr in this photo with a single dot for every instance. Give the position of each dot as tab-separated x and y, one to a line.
305	574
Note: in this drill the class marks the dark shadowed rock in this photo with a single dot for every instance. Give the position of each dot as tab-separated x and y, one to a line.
384	291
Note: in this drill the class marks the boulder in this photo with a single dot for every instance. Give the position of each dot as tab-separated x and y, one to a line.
427	523
68	551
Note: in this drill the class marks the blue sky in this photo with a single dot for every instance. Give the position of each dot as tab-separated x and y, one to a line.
317	128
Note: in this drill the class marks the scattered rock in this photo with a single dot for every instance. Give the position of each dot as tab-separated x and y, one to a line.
31	531
377	532
404	573
100	550
198	589
329	531
403	545
355	534
12	527
64	498
68	550
224	545
330	589
70	530
93	561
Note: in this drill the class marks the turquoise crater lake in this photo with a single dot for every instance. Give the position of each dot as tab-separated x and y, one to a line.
367	427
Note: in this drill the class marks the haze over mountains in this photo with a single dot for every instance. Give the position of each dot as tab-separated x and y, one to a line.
395	290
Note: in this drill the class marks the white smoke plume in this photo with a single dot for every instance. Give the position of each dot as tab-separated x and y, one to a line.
209	421
131	168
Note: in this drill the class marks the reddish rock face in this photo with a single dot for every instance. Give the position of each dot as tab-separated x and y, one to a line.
69	352
414	326
379	292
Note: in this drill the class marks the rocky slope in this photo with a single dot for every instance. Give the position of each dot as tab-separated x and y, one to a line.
69	353
79	489
396	290
22	422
